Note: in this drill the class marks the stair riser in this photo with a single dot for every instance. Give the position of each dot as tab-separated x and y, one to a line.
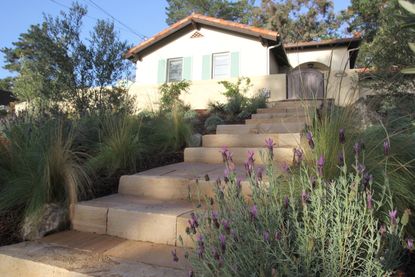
250	140
239	155
278	115
133	225
281	128
283	120
157	187
296	104
281	110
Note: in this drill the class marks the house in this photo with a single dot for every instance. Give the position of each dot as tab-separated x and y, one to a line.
205	49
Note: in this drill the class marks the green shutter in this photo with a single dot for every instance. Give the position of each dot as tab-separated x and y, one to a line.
187	68
161	72
235	64
206	67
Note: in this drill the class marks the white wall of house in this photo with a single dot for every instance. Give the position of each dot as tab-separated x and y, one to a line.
335	58
252	55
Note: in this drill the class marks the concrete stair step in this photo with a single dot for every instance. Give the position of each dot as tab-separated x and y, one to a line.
239	154
263	128
133	218
250	140
282	110
73	253
293	119
299	103
300	113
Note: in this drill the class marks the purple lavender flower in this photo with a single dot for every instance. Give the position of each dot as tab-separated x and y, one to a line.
191	273
285	167
174	254
367	179
305	196
341	160
222	241
310	139
361	168
357	148
225	153
194	219
392	216
259	173
298	156
320	165
269	143
238	185
249	163
386	147
286	202
226	226
410	244
215	254
342	136
382	230
251	156
215	218
369	200
253	212
266	236
277	236
200	246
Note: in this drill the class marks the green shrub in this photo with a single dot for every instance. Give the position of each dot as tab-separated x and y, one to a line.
40	165
334	227
213	121
170	93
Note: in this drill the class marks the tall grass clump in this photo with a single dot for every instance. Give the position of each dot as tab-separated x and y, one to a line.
40	165
335	226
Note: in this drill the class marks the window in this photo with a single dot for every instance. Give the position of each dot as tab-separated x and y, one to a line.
174	69
221	65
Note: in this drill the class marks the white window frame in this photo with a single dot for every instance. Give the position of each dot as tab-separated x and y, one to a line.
228	54
168	67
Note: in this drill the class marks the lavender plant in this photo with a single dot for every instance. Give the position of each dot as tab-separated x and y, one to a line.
334	227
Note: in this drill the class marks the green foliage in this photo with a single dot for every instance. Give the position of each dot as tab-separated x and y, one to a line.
333	228
39	165
170	93
400	162
7	83
295	20
54	65
230	10
119	146
212	121
237	106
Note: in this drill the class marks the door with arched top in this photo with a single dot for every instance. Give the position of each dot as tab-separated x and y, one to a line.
305	83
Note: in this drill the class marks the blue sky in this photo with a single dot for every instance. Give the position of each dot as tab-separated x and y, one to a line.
145	17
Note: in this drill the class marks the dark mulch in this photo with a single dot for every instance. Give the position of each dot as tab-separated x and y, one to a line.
9	226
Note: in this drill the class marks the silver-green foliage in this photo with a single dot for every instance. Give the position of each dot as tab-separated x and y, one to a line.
332	228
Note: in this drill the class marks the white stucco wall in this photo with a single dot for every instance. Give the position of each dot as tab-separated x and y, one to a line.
337	59
252	55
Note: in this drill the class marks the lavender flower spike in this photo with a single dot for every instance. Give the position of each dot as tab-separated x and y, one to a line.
269	143
369	200
310	140
386	148
342	136
410	244
320	165
392	216
253	212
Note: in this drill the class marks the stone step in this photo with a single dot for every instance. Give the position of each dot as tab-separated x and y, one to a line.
265	128
299	103
293	119
250	140
156	187
282	110
300	113
133	218
239	154
76	254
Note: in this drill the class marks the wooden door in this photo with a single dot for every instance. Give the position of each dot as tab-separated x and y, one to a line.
305	83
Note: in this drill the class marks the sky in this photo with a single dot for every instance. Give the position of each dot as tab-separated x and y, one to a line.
137	17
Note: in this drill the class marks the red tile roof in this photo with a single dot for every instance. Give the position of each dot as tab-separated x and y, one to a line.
204	20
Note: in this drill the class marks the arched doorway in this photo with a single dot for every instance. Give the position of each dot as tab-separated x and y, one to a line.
305	83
